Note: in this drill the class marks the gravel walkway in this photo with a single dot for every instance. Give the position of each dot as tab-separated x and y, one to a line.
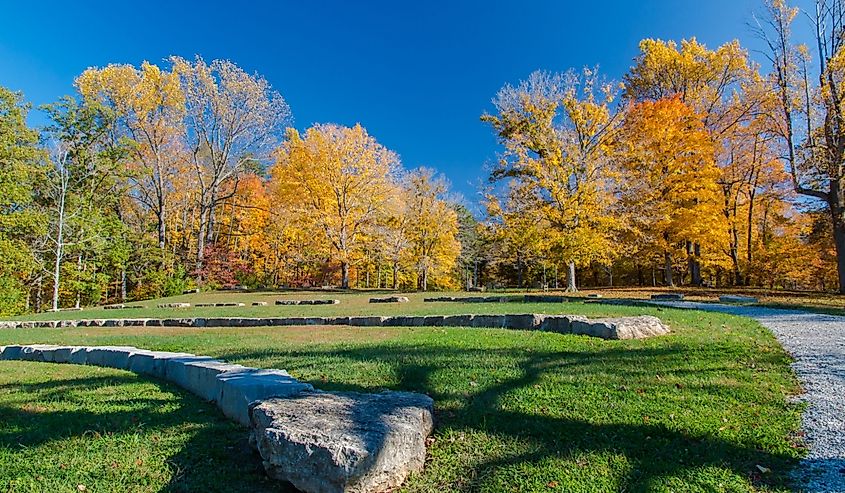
817	342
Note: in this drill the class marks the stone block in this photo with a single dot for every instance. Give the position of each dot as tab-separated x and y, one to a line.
366	321
524	321
490	321
238	389
259	303
11	352
110	356
433	320
198	374
458	320
153	363
343	442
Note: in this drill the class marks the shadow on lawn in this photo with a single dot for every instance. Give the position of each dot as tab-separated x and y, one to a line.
215	457
654	451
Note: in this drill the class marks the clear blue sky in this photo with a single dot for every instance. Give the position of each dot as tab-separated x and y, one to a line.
417	75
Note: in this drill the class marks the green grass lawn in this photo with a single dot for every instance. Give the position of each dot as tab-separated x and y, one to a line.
355	303
697	410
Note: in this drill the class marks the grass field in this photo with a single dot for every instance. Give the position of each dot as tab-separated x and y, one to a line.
697	410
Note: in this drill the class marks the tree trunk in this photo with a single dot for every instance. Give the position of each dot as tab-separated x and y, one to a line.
39	296
162	232
838	216
123	286
344	275
667	270
201	240
570	278
395	275
425	279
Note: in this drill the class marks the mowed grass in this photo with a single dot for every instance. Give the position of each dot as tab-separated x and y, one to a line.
698	410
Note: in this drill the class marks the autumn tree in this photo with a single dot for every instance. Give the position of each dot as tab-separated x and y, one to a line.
432	227
670	192
149	108
556	130
338	179
231	118
713	83
810	120
518	230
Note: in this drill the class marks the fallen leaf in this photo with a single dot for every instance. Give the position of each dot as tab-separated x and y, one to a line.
764	470
81	487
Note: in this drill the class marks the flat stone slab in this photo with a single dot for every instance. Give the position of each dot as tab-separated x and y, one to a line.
734	298
343	442
667	297
174	305
259	303
390	299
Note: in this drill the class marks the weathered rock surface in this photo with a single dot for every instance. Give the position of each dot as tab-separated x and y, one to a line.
174	305
343	442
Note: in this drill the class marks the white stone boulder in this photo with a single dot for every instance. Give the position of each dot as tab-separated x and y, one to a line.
343	442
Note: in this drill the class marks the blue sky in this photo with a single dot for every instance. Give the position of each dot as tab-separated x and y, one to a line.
417	75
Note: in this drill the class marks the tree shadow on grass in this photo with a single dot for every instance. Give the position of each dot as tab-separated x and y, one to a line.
656	447
215	454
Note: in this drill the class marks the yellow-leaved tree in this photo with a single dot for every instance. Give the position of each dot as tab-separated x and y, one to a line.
556	130
337	179
149	108
432	228
669	188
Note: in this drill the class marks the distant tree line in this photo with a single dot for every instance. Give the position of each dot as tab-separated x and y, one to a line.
696	169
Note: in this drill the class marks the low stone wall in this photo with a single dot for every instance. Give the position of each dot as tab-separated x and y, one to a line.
608	328
317	441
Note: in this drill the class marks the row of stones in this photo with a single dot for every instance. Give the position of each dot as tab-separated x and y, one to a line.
305	437
610	328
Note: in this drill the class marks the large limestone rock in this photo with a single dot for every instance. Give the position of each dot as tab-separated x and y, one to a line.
343	442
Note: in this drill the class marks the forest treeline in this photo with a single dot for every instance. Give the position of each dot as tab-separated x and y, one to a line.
700	167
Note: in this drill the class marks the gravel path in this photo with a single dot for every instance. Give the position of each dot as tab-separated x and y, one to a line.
817	342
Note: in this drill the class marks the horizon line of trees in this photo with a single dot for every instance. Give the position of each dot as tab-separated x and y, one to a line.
155	179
